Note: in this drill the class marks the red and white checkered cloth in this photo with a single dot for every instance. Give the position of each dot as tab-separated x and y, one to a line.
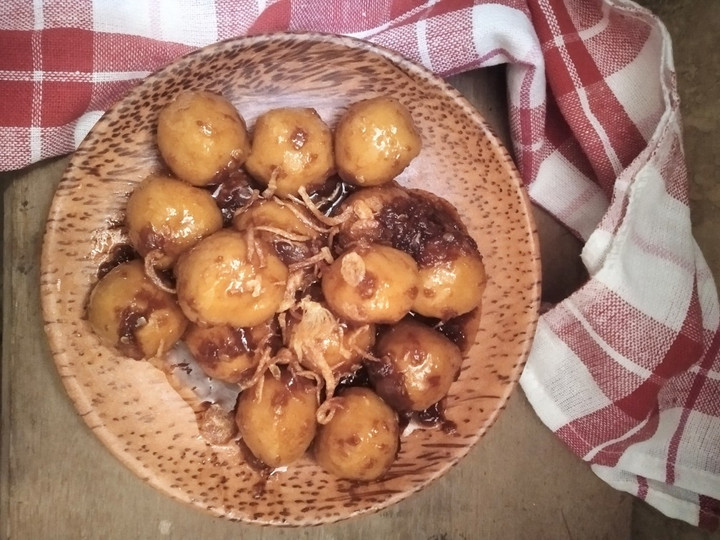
627	370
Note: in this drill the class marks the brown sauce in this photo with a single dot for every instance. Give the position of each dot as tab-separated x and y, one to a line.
131	320
135	317
232	189
234	342
151	240
460	330
424	228
431	418
119	254
258	466
295	252
331	194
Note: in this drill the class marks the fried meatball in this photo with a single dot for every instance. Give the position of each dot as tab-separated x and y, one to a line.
371	284
292	147
199	134
128	312
294	234
286	216
363	208
361	440
277	421
167	216
318	337
418	366
220	282
228	353
449	288
375	140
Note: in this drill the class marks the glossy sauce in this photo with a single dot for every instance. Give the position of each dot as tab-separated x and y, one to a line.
119	254
232	189
425	228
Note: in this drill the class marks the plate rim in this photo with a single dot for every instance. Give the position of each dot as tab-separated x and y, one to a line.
52	326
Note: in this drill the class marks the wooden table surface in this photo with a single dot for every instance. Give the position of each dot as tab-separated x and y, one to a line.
58	481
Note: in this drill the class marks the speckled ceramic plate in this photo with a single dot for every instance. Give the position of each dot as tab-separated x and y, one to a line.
132	407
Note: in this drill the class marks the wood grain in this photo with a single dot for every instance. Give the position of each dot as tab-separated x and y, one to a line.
132	408
58	481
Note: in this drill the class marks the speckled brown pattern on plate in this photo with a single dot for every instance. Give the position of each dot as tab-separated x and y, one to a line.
131	406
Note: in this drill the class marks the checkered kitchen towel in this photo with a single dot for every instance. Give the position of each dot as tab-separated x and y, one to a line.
627	370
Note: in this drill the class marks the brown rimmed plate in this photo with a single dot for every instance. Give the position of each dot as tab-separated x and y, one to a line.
132	407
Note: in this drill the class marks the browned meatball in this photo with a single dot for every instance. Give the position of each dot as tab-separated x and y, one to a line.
168	216
199	134
277	422
294	234
371	284
227	353
286	216
128	312
449	288
293	147
325	339
419	365
375	140
219	282
364	208
361	440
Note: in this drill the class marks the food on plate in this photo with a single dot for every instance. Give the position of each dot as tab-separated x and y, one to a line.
276	417
451	272
224	279
361	440
324	310
375	140
165	216
371	284
277	215
199	134
363	209
318	337
129	312
294	233
450	287
417	365
216	425
229	353
291	149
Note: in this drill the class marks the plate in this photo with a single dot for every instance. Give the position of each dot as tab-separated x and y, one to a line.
131	405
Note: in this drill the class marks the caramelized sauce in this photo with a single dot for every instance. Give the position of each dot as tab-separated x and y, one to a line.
359	377
460	330
258	466
331	194
151	240
133	318
431	418
295	252
233	343
121	253
232	189
424	228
